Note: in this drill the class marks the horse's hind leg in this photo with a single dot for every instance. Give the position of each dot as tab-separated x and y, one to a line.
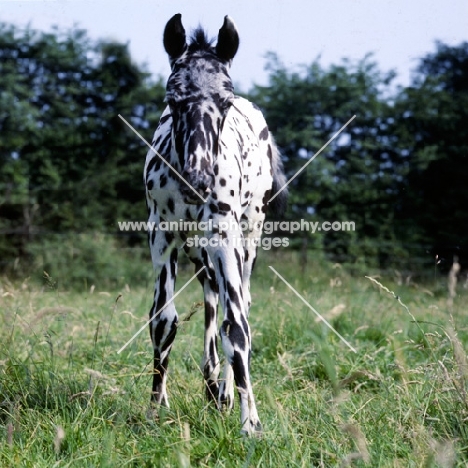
228	261
163	315
221	392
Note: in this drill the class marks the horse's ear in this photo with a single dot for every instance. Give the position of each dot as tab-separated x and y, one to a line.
174	37
228	40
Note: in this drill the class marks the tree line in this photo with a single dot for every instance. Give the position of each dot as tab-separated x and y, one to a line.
399	170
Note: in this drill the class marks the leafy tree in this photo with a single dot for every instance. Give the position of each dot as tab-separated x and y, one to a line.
67	162
432	133
357	177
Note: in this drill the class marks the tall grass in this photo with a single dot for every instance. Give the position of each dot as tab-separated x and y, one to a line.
78	261
68	399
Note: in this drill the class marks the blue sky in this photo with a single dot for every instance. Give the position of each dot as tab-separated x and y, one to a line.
397	32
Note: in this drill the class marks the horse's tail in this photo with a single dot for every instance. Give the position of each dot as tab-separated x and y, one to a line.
278	190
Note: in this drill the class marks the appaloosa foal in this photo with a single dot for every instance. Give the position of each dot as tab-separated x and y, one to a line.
219	166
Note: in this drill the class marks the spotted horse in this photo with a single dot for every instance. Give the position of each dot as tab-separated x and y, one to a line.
214	164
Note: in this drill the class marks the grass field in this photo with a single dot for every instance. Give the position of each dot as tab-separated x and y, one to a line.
67	399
